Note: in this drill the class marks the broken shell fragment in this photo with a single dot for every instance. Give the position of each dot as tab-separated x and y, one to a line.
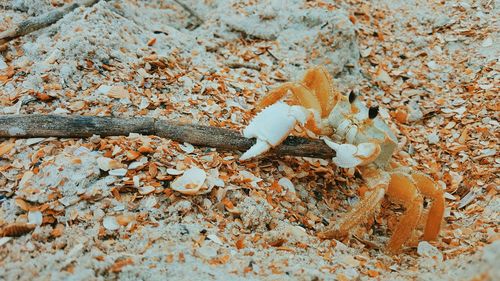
118	172
144	190
110	223
187	147
287	184
174	172
107	164
191	182
35	217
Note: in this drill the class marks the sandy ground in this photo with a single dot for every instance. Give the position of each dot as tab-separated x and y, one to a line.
104	208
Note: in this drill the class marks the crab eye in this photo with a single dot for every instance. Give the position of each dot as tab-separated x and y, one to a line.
372	112
352	97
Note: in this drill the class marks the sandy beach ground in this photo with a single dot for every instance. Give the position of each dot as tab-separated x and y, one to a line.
103	208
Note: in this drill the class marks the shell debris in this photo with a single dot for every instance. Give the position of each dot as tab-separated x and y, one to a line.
433	68
191	182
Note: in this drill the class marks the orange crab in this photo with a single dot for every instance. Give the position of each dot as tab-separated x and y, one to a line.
361	139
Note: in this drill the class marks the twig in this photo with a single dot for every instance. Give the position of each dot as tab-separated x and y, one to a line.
30	126
368	244
191	12
243	65
272	55
39	22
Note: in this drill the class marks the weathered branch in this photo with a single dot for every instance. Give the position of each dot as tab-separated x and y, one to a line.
41	21
29	126
191	12
243	65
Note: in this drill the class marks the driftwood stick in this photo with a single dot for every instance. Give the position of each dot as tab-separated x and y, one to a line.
243	65
30	126
192	13
41	21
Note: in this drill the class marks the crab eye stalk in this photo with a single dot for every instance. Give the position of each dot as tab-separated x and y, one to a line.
352	97
373	112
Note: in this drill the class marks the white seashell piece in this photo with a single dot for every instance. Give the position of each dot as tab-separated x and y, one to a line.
174	172
188	148
287	184
110	223
146	189
191	182
35	217
118	172
107	164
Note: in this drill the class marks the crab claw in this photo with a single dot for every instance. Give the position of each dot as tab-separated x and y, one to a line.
350	156
272	126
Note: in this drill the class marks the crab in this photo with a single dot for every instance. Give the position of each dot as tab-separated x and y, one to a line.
361	140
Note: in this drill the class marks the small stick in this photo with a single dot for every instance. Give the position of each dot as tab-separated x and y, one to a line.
30	126
191	12
243	65
41	21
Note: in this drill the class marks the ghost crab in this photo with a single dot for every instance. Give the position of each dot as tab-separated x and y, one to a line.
369	145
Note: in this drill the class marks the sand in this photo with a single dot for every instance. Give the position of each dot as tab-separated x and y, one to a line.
101	209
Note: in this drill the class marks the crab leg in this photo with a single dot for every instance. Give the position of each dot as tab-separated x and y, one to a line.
319	81
301	95
429	189
272	125
403	190
368	205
